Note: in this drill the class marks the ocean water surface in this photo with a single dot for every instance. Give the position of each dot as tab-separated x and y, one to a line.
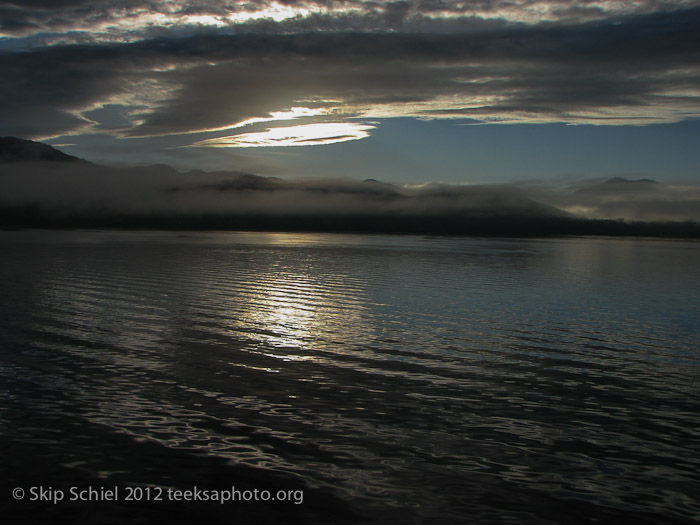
388	379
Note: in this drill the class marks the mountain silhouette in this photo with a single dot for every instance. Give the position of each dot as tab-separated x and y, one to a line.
43	187
13	149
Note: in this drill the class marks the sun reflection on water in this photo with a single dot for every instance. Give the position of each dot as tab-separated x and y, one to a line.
296	312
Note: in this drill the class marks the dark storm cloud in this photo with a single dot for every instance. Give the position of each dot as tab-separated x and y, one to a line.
26	17
41	92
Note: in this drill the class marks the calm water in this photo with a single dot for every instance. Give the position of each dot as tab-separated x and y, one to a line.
393	379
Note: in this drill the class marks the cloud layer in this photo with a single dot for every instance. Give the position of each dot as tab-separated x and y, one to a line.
488	61
127	20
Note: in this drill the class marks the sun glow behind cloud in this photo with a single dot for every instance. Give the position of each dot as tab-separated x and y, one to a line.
290	114
224	74
302	135
293	113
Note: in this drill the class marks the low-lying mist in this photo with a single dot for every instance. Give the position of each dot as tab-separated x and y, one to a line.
84	195
160	189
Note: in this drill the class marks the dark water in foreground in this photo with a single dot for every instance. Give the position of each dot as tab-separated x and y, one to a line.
391	379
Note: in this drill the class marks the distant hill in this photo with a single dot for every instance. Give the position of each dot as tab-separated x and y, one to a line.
619	185
43	187
620	180
13	149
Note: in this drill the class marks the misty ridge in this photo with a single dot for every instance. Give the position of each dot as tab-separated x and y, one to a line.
43	187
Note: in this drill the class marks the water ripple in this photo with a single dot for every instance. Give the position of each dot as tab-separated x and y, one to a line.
418	379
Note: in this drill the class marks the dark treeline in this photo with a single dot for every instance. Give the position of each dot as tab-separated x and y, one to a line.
432	224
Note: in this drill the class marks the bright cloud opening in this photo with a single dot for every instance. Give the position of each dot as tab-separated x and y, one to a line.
291	114
274	11
302	135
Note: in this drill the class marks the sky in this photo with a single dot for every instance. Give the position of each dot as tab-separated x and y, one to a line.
409	92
